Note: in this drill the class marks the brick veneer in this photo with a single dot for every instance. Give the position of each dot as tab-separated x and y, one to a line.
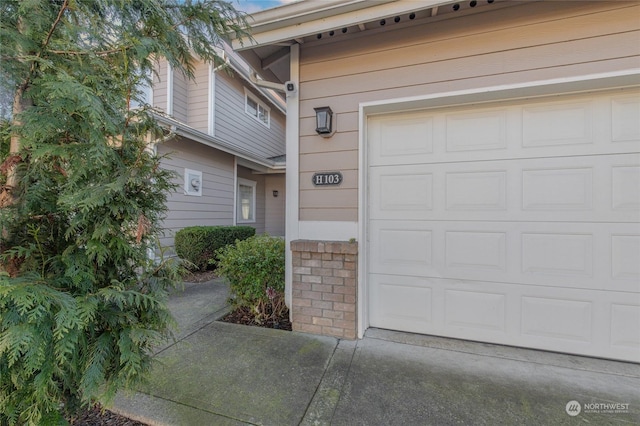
324	287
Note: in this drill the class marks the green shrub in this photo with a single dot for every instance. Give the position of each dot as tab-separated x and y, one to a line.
198	244
255	271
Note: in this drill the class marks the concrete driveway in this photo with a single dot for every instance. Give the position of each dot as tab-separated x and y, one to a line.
227	374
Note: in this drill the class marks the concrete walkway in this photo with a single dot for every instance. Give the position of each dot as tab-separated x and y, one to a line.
227	374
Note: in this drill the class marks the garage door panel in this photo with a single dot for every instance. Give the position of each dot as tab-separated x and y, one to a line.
562	319
625	119
516	223
578	126
625	326
475	250
474	310
407	192
557	318
476	190
476	131
625	259
408	138
567	189
625	188
389	296
557	124
402	248
600	256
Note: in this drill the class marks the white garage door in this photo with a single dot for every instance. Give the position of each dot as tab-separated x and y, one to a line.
513	223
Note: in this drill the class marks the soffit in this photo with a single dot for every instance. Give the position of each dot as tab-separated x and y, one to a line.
311	23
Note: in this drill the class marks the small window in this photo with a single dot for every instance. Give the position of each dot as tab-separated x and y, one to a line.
256	109
246	201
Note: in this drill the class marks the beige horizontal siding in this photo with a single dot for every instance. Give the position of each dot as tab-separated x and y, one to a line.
198	108
180	96
473	37
160	86
582	51
275	206
536	41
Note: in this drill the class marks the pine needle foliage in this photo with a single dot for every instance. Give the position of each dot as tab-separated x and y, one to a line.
81	304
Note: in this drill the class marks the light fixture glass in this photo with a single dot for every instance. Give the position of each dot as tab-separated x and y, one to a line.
323	120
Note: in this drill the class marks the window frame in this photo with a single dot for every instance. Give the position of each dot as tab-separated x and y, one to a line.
253	185
259	105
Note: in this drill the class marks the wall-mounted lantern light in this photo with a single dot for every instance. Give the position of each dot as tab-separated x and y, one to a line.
275	192
324	122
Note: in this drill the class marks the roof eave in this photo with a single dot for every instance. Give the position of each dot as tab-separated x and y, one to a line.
293	21
186	131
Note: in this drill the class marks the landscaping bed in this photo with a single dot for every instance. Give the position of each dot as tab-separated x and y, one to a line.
96	417
245	317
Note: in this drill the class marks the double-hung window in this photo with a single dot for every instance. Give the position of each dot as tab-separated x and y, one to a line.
256	108
246	205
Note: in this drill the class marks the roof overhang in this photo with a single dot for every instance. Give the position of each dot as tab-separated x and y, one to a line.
311	22
306	18
245	158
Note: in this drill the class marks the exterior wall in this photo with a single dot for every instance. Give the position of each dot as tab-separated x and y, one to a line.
259	224
275	206
160	86
534	41
198	106
233	124
181	99
324	287
215	206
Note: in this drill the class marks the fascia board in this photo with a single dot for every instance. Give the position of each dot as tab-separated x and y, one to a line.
313	23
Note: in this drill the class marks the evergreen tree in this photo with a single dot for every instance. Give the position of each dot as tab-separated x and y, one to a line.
82	196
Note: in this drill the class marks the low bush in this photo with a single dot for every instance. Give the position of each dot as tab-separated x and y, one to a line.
198	244
255	271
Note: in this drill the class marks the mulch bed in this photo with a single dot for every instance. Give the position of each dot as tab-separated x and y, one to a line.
96	417
241	316
199	277
245	317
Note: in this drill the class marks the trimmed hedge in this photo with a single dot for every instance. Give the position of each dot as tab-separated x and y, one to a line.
198	244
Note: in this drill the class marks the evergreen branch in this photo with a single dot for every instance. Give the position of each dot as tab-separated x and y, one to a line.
64	6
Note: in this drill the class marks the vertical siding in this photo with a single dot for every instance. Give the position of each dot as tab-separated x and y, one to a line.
198	108
534	41
215	206
234	125
180	96
275	206
259	224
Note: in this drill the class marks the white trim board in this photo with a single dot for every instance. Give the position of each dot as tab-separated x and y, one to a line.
327	230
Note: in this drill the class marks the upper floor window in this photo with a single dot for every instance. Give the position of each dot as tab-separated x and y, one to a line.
256	108
144	92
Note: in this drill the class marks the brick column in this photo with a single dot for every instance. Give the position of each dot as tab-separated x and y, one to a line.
324	287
